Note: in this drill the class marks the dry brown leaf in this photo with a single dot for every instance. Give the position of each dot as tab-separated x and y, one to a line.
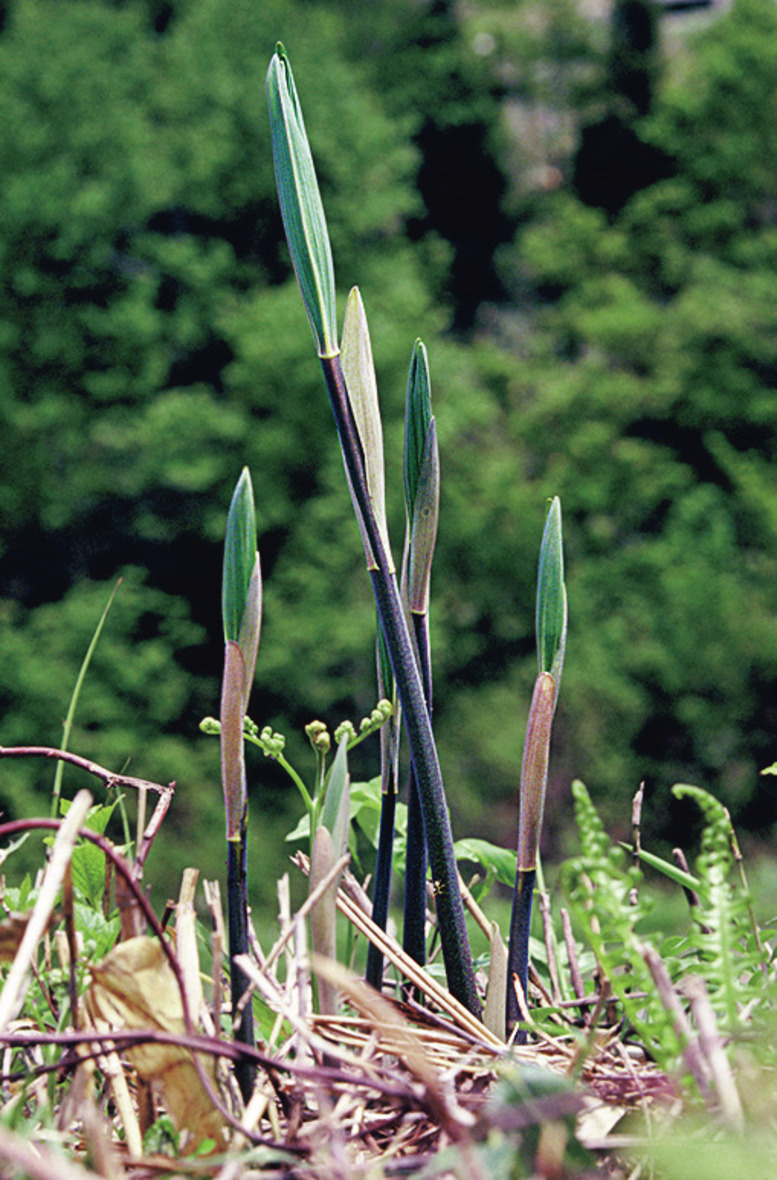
12	930
135	988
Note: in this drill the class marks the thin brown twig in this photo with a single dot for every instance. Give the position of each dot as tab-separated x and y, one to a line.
739	861
152	828
123	1039
574	967
550	945
109	777
693	1057
218	943
711	1045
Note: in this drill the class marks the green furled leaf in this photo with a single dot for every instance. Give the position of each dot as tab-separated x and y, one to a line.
496	993
240	558
716	857
423	525
359	373
301	208
501	861
534	770
335	814
551	597
418	418
233	772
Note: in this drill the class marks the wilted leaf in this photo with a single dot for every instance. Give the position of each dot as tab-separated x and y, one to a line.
134	988
496	995
323	915
12	930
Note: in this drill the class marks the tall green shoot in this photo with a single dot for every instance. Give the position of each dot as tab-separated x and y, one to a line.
551	629
359	372
241	607
422	509
309	247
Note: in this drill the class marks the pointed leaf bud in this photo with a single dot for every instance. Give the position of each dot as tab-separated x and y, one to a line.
301	207
551	597
359	373
241	587
336	812
423	527
418	417
422	483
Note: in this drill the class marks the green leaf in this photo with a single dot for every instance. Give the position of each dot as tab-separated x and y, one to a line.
366	802
88	868
551	597
99	933
74	696
666	868
501	861
364	807
97	818
301	208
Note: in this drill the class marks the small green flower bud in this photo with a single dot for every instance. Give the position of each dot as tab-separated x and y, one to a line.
386	710
345	730
318	736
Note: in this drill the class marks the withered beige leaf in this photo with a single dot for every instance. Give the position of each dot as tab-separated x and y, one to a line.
12	930
135	988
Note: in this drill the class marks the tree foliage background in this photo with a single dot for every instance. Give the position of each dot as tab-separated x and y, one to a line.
611	342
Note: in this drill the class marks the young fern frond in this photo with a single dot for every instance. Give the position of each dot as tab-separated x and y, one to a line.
723	946
600	886
730	959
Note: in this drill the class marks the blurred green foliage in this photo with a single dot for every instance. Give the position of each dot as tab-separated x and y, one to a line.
152	343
